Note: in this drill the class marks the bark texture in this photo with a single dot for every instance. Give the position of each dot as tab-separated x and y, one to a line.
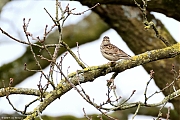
127	21
170	8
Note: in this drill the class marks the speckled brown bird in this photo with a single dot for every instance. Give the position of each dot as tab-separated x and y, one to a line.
112	52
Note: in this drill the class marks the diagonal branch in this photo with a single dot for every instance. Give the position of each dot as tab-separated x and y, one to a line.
89	74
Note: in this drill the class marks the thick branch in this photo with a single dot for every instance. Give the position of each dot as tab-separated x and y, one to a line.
91	73
127	21
169	8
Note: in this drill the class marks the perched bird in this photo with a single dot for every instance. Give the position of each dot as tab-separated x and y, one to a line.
111	52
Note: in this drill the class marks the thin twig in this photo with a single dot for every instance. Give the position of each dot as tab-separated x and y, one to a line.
20	41
150	24
168	113
85	115
74	56
136	112
127	98
79	54
25	26
97	4
27	105
22	112
151	77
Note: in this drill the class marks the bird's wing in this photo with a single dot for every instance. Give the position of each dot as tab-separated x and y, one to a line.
114	50
121	53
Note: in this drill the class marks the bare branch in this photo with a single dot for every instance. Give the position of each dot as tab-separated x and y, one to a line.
22	91
150	24
136	111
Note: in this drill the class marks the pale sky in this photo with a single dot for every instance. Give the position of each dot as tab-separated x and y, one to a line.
133	79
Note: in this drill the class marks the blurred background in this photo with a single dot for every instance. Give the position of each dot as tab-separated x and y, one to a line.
11	20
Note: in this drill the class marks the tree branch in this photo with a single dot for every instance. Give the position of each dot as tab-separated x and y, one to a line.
70	33
25	91
169	8
89	74
127	21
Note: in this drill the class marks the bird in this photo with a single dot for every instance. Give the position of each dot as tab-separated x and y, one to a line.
112	52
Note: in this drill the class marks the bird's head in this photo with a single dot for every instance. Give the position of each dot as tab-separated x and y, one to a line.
106	40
